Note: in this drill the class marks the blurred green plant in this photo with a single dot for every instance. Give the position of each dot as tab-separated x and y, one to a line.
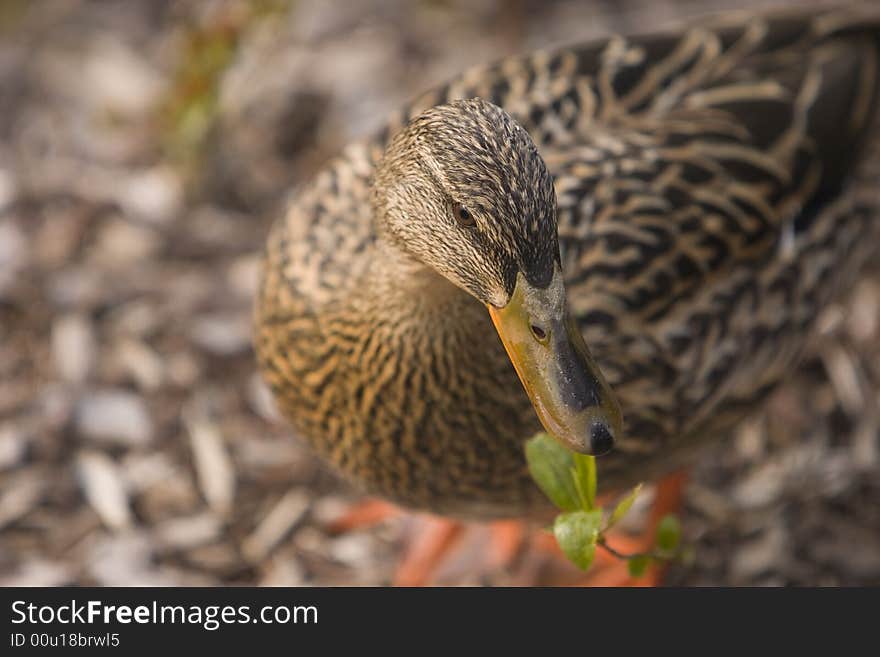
570	481
191	108
12	12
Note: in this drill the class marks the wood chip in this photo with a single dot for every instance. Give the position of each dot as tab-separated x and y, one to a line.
142	363
73	347
189	532
13	446
276	525
354	550
214	468
244	275
750	438
844	374
13	254
261	400
153	194
20	494
222	335
866	442
122	244
8	189
759	555
864	318
114	416
760	486
169	497
183	369
143	471
284	571
39	572
125	559
218	558
104	489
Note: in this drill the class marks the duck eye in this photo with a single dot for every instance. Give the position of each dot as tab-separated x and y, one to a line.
463	215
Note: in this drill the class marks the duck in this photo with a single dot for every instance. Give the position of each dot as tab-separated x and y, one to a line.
625	243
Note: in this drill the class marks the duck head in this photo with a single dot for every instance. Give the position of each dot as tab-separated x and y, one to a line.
463	190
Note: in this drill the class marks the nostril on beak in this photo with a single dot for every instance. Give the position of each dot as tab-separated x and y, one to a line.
601	440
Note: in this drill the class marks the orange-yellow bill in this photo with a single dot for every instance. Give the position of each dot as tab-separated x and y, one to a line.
569	393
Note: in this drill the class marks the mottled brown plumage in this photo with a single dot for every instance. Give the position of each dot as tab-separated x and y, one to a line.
714	188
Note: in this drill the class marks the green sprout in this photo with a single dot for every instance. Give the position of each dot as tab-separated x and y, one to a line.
570	481
209	47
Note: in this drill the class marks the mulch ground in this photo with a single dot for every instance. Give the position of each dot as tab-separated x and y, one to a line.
144	149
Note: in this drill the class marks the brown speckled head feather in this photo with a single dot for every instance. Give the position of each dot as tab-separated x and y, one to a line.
472	154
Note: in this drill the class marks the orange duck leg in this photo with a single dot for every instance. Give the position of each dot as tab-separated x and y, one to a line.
435	542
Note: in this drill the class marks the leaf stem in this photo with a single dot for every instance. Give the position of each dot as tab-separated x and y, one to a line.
654	554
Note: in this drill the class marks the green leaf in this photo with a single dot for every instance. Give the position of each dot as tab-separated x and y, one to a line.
585	467
668	533
577	533
638	565
551	467
624	506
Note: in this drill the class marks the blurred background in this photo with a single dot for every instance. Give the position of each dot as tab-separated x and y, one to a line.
145	147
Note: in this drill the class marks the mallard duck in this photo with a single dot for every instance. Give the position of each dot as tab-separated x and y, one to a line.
650	225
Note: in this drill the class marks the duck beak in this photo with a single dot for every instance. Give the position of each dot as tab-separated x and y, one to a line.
569	393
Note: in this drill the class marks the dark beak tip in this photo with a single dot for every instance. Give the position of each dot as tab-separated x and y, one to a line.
601	440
